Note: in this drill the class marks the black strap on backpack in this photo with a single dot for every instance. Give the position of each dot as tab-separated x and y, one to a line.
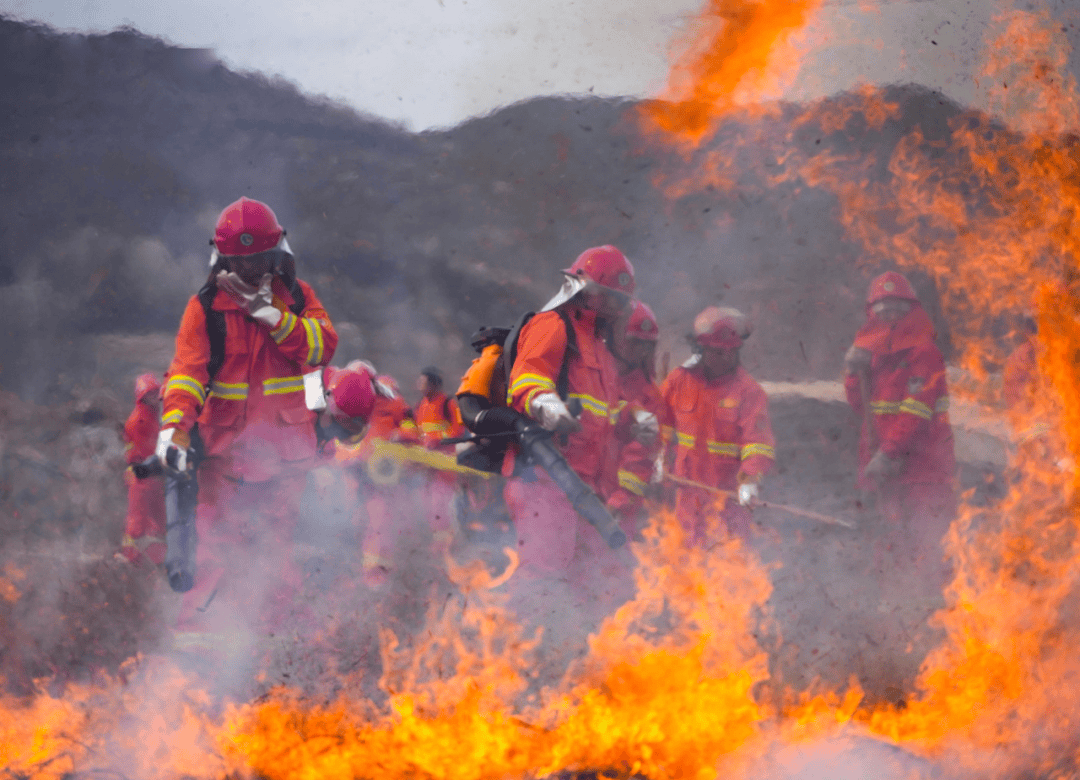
215	321
562	384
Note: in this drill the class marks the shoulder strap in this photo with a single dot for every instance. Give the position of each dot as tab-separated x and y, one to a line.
510	347
215	329
562	384
299	299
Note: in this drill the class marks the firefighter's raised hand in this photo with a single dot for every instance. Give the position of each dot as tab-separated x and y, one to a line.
172	448
550	411
258	301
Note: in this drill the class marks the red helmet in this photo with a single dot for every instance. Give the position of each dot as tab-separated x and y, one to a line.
146	384
247	227
721	327
890	285
351	396
605	265
642	323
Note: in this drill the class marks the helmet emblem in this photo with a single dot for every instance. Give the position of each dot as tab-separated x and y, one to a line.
624	279
246	239
889	286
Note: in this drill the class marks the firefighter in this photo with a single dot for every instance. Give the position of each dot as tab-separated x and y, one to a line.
564	344
436	414
721	436
895	380
643	411
244	341
350	403
144	527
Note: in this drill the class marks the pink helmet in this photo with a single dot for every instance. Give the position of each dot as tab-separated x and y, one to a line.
890	285
351	396
607	266
721	327
247	227
146	384
642	323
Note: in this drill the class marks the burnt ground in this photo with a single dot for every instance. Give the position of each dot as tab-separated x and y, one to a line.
70	611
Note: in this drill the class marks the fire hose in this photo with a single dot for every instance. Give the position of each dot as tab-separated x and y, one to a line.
792	510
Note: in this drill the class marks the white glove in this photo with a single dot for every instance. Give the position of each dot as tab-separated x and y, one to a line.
646	428
166	445
550	411
748	493
257	300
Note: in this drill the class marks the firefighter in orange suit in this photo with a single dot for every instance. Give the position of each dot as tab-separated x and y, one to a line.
243	345
436	414
895	380
144	527
721	436
643	412
571	330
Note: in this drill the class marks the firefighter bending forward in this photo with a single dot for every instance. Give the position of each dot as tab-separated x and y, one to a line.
721	438
144	526
597	288
246	395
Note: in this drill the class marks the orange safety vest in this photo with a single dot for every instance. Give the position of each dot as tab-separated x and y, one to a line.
720	427
437	418
251	413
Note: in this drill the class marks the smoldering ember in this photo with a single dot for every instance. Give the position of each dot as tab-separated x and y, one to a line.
850	584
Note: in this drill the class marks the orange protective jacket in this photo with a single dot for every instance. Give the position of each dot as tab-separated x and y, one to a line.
720	429
909	399
252	417
593	379
140	433
438	418
636	461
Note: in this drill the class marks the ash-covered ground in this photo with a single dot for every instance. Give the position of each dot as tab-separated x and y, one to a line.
70	611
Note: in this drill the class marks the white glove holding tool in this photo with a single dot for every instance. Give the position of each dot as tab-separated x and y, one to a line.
172	448
259	301
748	493
550	411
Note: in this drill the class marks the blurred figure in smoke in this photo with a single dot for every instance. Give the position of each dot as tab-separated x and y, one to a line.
436	414
562	361
895	379
438	418
721	443
643	412
144	527
235	397
384	496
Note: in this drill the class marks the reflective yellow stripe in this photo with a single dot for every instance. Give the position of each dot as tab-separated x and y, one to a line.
407	425
591	404
229	391
750	450
685	439
171	417
284	384
630	482
885	407
315	341
728	448
433	427
916	407
284	328
188	384
527	380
